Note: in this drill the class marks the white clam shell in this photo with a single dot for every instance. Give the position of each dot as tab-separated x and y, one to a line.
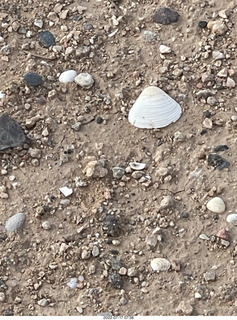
216	205
67	76
160	264
137	165
154	109
232	217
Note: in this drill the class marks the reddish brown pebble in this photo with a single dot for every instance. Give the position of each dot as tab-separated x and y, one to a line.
222	233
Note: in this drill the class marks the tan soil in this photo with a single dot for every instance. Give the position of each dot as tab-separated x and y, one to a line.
117	64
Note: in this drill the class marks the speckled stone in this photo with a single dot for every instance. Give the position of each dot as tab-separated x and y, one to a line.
46	39
85	80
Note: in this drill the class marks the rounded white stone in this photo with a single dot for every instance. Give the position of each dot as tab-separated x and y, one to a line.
216	205
46	225
85	80
67	76
231	217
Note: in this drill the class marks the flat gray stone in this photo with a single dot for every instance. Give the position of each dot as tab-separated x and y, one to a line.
15	222
11	133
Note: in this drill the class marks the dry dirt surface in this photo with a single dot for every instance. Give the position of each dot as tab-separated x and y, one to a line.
115	222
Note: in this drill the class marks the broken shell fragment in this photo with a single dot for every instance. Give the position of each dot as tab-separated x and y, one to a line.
216	205
160	264
137	165
154	109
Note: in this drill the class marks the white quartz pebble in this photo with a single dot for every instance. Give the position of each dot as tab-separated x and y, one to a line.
67	76
66	191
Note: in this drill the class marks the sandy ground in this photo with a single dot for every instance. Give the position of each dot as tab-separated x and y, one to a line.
36	264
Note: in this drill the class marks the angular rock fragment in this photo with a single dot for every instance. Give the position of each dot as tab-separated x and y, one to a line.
11	133
116	280
215	160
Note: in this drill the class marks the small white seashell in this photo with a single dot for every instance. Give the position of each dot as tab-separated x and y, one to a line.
231	217
67	76
66	191
216	205
137	165
160	264
164	49
15	222
154	109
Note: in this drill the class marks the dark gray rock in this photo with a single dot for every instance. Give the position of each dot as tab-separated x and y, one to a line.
33	79
215	160
165	16
116	263
111	225
202	24
116	280
46	39
11	133
221	147
3	286
118	172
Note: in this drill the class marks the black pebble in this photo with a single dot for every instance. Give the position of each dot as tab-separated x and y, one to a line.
165	16
77	18
221	147
99	120
184	215
215	160
202	24
11	133
46	39
204	131
116	280
33	79
207	114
